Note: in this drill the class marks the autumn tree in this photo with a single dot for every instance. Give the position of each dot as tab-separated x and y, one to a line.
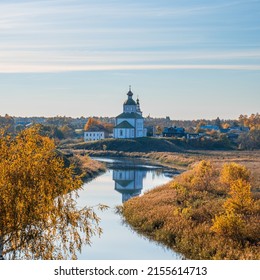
67	131
95	124
239	204
250	140
218	122
252	121
7	122
198	126
200	178
51	131
158	130
91	123
231	172
240	200
38	215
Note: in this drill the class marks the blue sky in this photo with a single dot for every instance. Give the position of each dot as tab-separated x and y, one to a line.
184	59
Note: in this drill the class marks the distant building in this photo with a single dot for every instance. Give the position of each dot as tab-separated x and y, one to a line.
238	129
210	127
93	135
174	132
235	131
130	124
192	136
150	130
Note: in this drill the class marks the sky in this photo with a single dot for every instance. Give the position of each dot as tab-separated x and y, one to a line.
186	59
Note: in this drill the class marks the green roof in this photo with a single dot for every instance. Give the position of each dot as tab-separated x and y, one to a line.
124	124
131	115
130	101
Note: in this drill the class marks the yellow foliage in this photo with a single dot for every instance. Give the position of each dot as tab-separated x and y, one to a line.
95	124
200	177
38	215
240	197
233	171
238	205
91	123
229	224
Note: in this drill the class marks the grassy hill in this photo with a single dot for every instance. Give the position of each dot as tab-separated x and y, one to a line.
130	145
150	144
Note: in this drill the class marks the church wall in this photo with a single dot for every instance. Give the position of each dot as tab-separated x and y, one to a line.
123	175
139	133
140	124
129	108
139	176
123	133
134	178
140	128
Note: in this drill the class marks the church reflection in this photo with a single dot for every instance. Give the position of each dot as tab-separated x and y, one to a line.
129	182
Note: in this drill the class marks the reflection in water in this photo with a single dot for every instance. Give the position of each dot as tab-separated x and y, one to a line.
129	182
124	178
129	175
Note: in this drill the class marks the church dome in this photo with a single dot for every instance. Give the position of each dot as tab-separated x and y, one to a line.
130	101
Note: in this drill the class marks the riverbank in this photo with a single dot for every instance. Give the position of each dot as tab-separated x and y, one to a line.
172	160
201	215
84	165
186	160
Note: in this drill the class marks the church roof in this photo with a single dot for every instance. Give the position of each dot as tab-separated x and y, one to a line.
129	191
130	101
124	124
124	183
131	115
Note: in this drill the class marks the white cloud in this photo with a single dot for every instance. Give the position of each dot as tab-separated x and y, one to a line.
64	35
20	68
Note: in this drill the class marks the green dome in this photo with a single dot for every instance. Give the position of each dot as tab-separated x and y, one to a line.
130	102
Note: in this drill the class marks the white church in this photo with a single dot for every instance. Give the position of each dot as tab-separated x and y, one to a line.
130	124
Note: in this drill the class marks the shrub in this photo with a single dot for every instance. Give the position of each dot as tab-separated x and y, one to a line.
233	171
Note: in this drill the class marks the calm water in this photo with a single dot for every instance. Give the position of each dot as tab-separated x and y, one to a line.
124	179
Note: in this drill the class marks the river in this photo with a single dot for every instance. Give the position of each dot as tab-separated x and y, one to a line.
123	179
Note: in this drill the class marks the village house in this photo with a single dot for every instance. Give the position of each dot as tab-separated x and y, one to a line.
210	127
93	135
95	130
174	132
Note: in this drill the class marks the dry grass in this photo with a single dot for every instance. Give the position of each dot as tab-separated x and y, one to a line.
87	167
250	159
181	215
